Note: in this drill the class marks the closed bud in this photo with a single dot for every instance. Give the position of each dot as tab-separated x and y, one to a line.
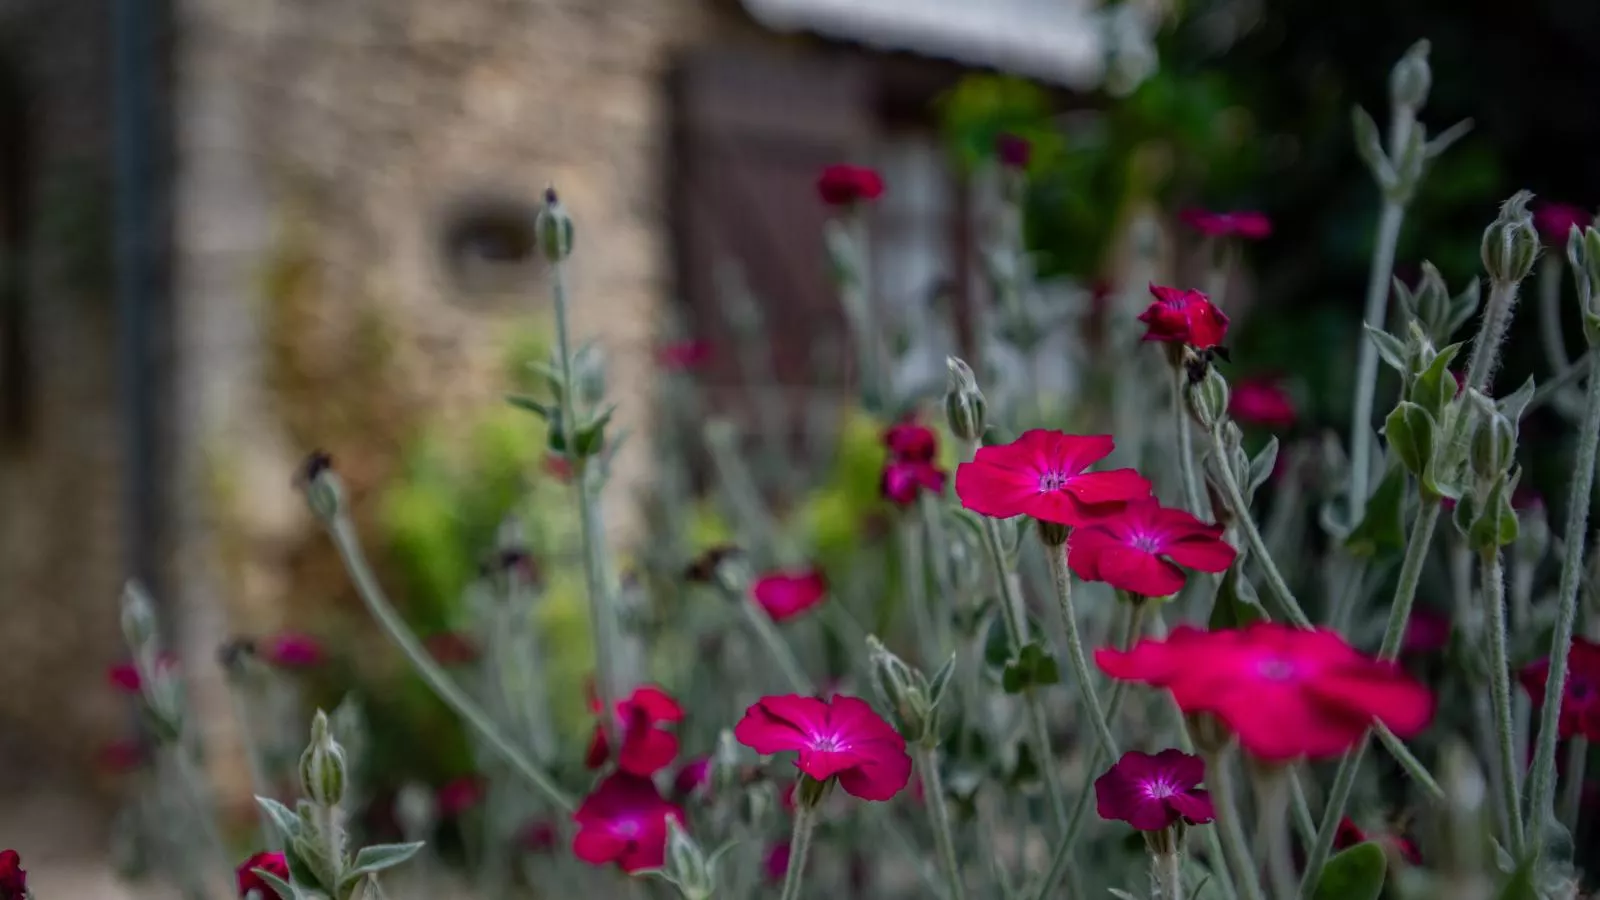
139	627
1411	78
322	765
324	493
1494	439
1511	243
552	228
1432	303
685	864
1207	395
964	406
589	375
903	689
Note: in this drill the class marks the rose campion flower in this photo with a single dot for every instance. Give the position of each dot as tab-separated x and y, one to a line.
1261	402
646	748
904	482
909	442
1555	221
1580	695
1286	692
1349	834
1427	631
292	651
269	861
13	878
451	648
1141	549
1013	151
558	467
842	737
1252	226
785	595
776	862
1041	474
844	185
458	795
684	356
1152	791
623	821
1184	317
692	776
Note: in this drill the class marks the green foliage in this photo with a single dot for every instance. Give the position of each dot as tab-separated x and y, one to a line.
1354	874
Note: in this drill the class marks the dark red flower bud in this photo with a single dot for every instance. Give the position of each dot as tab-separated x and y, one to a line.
273	862
844	185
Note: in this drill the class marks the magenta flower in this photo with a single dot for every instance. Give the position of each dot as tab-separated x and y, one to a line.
692	776
1580	695
537	837
1154	791
785	595
1184	317
1252	226
458	795
684	356
776	863
1427	631
1041	474
624	821
646	747
1140	549
904	482
1013	151
842	738
125	678
844	185
1261	402
292	651
1555	221
909	442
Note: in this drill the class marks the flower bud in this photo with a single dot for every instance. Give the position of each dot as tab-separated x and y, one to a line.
322	765
1207	395
552	229
1411	78
964	406
139	626
1583	255
903	689
1431	304
1511	243
589	375
685	864
1494	439
324	494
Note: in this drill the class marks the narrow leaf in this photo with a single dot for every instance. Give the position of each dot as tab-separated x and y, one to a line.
1261	467
1390	348
382	856
283	889
282	817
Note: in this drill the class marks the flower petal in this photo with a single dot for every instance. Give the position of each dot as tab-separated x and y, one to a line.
776	724
1195	807
1203	554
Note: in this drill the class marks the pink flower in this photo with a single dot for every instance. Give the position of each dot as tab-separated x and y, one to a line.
692	776
293	651
785	595
1349	834
1555	221
1248	225
1427	631
623	821
843	185
1013	151
124	676
1154	791
1184	317
1262	402
904	482
776	863
844	738
272	861
684	356
1580	695
13	878
1140	549
451	648
646	749
1041	474
459	795
1286	692
909	442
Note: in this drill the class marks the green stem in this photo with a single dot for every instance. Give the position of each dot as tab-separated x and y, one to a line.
252	760
1541	784
1405	593
1555	347
943	580
766	631
1572	791
799	849
1492	575
1375	314
1192	497
355	561
1167	875
1062	578
195	797
1252	535
913	572
939	818
1219	775
1553	388
1273	789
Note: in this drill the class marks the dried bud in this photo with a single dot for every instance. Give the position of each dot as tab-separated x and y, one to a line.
904	691
553	229
1411	78
322	765
1511	242
1207	397
964	406
139	626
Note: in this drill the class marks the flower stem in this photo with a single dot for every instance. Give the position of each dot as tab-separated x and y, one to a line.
939	818
799	848
1167	875
1492	575
1234	848
1572	791
1252	535
1555	348
913	572
1273	788
1541	784
252	760
933	526
766	631
343	532
1420	539
1180	413
1062	578
1375	313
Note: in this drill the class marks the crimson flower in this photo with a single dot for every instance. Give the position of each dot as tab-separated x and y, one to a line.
125	678
1245	224
692	776
1152	791
684	356
1262	402
909	442
1184	317
1286	692
1350	834
1556	220
1580	695
843	185
843	738
1427	631
558	467
458	795
1041	474
903	482
1140	549
785	595
646	749
1013	151
451	648
13	878
267	861
623	821
776	863
293	651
